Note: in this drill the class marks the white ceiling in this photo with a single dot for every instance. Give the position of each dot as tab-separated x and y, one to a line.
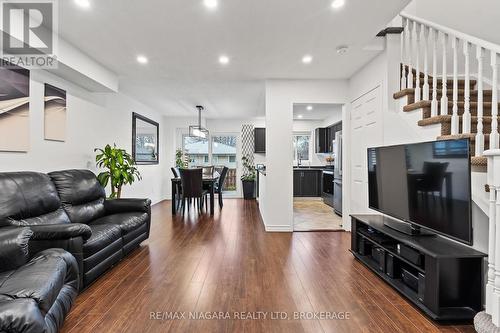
183	40
318	111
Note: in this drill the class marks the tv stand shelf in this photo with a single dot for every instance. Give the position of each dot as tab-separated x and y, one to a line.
441	277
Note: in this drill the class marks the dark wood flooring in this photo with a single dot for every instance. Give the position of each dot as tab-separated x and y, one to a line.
228	263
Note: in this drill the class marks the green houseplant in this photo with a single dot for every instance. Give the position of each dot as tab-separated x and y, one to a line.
121	169
180	160
248	179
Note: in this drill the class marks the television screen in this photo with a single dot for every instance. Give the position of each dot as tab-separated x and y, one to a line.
427	184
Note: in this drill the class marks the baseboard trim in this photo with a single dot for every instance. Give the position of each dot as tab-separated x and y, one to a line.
278	228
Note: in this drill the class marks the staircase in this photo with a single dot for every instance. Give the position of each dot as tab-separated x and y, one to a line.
444	119
461	107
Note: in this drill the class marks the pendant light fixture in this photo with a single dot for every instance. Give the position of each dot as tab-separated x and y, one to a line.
198	130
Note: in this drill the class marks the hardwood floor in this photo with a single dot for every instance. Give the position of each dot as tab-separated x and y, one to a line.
229	263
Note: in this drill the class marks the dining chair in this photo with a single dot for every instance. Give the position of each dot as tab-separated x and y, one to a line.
175	172
220	184
192	187
208	170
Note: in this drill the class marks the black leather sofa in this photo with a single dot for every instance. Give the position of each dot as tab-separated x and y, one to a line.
37	290
68	209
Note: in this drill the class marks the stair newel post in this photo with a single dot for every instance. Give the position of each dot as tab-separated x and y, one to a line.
479	135
403	60
490	283
444	97
454	116
495	315
425	91
409	78
418	91
466	119
434	103
494	101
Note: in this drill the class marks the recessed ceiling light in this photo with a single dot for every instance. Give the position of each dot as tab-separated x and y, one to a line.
142	59
307	59
309	107
336	4
210	4
300	116
83	3
224	60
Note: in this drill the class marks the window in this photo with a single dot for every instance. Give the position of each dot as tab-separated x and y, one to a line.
301	143
232	159
196	150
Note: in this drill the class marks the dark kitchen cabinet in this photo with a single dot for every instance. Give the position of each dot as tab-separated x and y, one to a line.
307	183
320	137
259	135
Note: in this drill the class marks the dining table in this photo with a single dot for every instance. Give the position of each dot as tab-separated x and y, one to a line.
209	181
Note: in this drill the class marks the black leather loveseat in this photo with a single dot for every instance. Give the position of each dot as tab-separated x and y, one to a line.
37	290
68	209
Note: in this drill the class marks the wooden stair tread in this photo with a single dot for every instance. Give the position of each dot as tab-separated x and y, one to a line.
471	136
478	161
427	104
461	92
447	119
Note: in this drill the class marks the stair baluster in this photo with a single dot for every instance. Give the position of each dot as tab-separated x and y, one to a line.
466	119
444	97
494	104
417	63
403	60
454	117
434	104
425	91
479	135
410	52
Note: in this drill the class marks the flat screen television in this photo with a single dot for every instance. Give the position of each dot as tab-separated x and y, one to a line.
425	184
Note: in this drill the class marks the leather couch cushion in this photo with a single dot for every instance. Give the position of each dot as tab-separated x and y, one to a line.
102	236
126	221
14	247
29	198
42	278
81	194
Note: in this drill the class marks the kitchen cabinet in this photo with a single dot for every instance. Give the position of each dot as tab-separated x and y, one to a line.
324	137
307	183
259	135
320	137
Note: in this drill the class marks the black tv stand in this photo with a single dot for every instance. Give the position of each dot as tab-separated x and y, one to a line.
440	276
406	227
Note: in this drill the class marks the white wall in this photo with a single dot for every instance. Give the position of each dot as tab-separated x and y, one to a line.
477	18
280	97
93	120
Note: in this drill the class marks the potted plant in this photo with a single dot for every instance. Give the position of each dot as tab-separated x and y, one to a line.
121	169
180	160
248	179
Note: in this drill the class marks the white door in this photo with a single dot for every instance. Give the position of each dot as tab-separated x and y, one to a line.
366	131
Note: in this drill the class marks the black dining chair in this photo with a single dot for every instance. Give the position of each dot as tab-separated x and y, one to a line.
192	187
220	184
175	172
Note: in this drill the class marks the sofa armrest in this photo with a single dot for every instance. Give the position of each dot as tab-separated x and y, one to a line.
14	247
61	231
114	206
21	315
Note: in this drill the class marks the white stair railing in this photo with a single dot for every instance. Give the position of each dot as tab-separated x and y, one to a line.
462	109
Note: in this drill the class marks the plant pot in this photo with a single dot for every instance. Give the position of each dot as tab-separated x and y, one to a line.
248	189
